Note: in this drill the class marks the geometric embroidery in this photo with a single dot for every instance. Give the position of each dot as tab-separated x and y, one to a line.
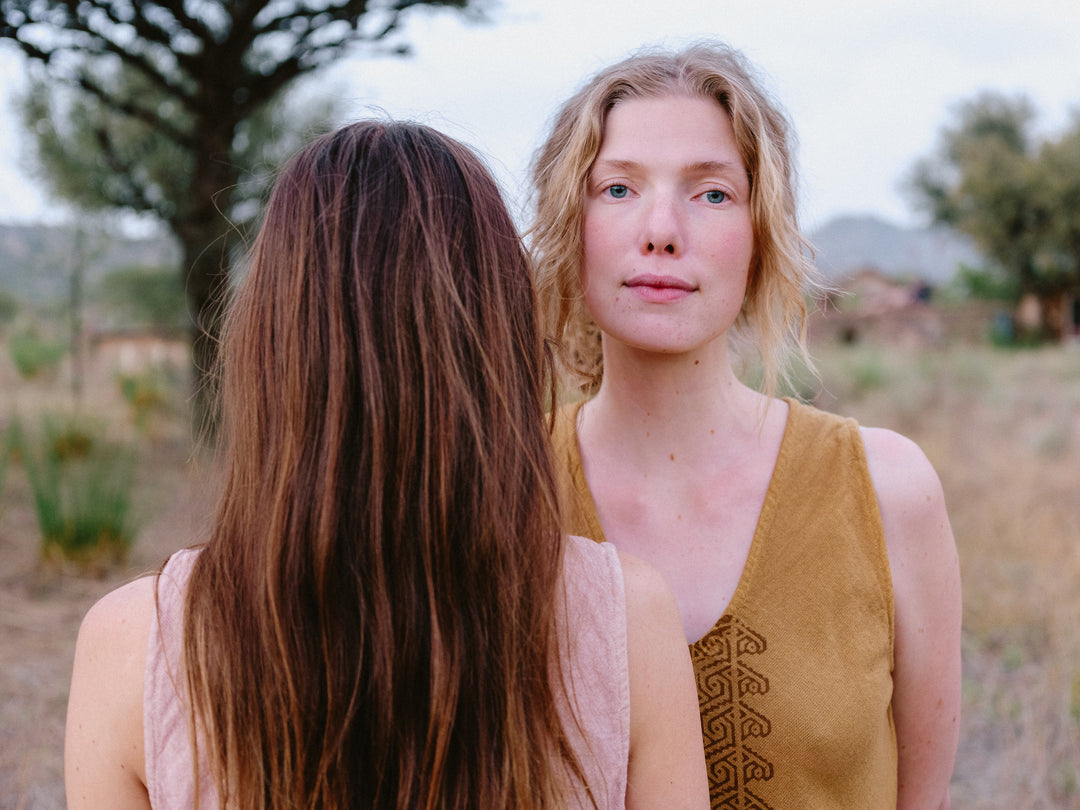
727	686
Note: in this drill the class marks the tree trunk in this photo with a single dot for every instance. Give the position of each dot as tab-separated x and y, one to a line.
206	274
207	240
1054	313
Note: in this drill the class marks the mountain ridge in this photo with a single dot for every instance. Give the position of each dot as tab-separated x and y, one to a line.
849	243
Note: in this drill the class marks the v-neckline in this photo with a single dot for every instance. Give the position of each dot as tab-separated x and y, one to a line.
765	517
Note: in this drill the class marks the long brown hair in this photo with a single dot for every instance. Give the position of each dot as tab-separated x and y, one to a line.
372	621
772	323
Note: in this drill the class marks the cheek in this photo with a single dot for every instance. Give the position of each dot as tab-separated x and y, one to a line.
595	249
737	245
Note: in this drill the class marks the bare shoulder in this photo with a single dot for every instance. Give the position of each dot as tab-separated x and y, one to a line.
918	536
123	610
115	631
927	600
898	466
909	491
103	745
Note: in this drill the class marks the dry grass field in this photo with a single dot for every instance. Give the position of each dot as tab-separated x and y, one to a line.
1001	427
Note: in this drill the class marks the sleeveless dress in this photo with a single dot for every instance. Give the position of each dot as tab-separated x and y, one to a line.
592	638
795	679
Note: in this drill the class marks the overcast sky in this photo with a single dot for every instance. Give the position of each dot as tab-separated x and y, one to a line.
868	83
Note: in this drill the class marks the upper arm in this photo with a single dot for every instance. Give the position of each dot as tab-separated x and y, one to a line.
926	586
667	757
103	743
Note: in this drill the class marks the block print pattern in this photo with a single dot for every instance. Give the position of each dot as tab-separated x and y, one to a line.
732	727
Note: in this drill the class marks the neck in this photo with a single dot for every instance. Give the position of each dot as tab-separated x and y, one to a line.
690	404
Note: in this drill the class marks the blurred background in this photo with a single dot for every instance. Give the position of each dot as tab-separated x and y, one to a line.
940	188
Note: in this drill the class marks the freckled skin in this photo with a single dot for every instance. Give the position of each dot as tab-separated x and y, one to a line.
668	197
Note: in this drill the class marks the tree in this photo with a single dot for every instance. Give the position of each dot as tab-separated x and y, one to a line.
1014	195
171	97
1058	260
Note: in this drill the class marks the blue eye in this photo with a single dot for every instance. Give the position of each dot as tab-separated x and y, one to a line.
715	196
618	191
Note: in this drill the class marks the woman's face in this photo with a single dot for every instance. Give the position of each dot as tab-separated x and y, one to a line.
668	236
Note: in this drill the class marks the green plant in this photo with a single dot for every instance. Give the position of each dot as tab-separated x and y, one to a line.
987	283
9	307
81	483
144	393
33	355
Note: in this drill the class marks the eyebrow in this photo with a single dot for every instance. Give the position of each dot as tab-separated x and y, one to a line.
692	169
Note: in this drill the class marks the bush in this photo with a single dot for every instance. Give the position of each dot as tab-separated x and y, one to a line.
989	283
33	355
144	393
81	483
9	307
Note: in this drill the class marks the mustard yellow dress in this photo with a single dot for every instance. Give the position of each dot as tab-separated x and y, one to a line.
795	679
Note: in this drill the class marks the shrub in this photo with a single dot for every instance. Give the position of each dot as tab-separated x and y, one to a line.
144	393
9	307
33	355
989	283
81	483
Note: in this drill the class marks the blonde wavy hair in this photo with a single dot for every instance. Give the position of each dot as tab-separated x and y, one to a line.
772	321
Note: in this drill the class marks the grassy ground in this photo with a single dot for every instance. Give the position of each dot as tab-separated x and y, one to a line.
1002	428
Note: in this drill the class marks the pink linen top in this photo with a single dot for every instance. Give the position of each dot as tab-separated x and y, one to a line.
592	641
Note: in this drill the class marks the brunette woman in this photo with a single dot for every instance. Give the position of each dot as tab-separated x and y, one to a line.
384	614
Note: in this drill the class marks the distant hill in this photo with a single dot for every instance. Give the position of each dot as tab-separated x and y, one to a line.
847	244
37	261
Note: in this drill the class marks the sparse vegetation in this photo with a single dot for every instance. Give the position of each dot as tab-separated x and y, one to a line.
81	482
35	355
9	307
147	393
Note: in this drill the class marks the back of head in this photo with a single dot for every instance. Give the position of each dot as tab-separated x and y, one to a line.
773	315
365	625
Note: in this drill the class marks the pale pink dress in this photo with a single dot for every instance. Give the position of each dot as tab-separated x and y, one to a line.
594	666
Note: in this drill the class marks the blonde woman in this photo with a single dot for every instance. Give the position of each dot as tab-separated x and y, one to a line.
812	559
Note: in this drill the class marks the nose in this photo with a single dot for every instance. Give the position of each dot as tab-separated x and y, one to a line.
662	231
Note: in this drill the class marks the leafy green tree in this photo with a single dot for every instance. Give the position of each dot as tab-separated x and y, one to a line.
1014	195
1058	260
161	106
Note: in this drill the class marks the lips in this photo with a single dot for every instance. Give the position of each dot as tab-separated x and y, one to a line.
660	282
655	289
